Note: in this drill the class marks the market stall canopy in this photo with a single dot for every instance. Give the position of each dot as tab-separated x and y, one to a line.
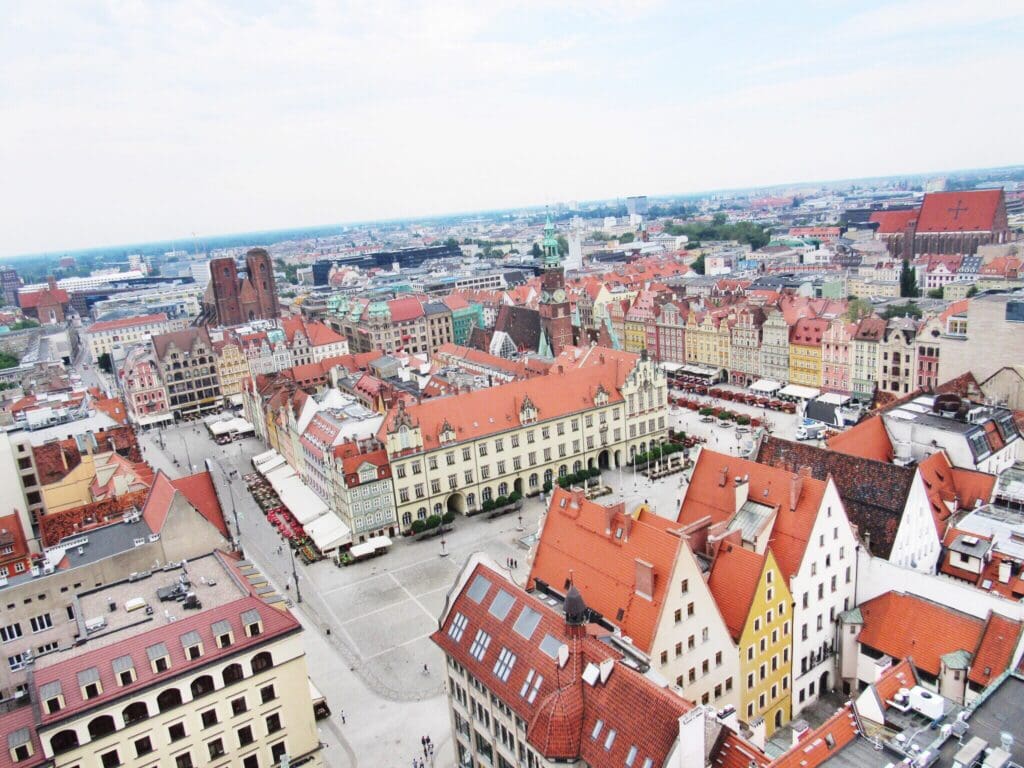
767	386
328	532
799	392
301	501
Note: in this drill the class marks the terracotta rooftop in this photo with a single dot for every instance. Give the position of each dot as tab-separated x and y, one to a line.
567	718
960	211
202	495
127	322
893	222
869	440
599	548
735	574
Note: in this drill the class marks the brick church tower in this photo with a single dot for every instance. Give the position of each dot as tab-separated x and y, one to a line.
233	300
555	314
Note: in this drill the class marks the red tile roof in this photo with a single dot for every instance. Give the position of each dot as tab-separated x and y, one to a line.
902	675
563	715
893	222
202	495
995	651
404	309
735	574
945	483
733	751
42	297
902	626
126	322
276	623
961	211
822	743
807	331
158	503
598	547
869	440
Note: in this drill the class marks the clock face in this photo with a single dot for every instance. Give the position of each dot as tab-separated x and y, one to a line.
559	295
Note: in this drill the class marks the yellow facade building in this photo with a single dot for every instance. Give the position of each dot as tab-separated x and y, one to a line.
232	367
805	351
751	593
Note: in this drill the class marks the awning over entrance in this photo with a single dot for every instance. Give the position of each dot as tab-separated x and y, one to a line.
799	392
702	371
328	532
767	386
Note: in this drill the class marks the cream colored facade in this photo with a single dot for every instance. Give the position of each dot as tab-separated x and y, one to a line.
232	368
692	647
522	453
103	341
868	287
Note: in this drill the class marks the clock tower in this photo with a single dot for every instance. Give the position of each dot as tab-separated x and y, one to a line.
555	315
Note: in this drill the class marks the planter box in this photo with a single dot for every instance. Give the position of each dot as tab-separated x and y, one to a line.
499	511
432	532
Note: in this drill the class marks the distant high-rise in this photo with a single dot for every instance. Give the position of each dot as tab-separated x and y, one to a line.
233	300
9	283
636	205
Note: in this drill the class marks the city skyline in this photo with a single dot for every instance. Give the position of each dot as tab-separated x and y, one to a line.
132	122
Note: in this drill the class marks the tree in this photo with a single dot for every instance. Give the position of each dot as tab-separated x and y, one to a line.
698	265
7	360
972	291
719	219
25	322
628	237
935	293
451	242
563	245
536	252
857	309
908	281
900	310
105	363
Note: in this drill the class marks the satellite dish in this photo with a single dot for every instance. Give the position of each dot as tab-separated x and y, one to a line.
563	655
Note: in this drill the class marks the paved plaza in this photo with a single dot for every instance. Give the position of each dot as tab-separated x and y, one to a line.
369	623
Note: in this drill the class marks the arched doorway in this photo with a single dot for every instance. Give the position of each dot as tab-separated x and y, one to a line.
778	719
823	683
517	485
618	458
603	459
457	504
590	463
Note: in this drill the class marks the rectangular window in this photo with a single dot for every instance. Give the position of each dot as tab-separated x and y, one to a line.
238	706
143	746
209	718
216	748
273	723
176	732
267	693
245	737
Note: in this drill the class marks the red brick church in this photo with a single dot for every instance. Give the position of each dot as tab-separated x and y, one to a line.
231	299
946	222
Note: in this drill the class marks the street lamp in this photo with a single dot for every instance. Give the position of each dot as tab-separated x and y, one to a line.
443	542
295	577
520	528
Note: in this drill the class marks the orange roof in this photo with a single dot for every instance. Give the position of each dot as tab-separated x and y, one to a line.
126	322
893	222
202	495
113	407
822	743
597	547
158	502
486	411
960	211
868	440
901	675
995	652
712	492
733	751
945	483
904	625
735	575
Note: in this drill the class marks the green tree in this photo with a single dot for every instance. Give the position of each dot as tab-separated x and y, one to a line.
698	265
536	252
908	281
451	242
899	310
563	245
719	219
857	309
935	293
628	237
25	322
972	291
7	360
105	363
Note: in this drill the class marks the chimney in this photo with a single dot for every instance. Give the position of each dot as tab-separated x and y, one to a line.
796	486
51	283
627	526
757	732
609	519
1004	571
742	485
800	731
644	584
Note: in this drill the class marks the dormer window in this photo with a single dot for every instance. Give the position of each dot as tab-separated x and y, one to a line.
223	633
124	670
159	658
52	696
192	644
253	623
19	744
89	683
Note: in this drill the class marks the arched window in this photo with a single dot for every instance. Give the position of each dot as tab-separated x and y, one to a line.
202	686
533	480
548	475
470	500
421	513
437	508
135	712
563	471
232	673
503	489
577	465
407	519
62	741
485	494
101	726
168	699
262	661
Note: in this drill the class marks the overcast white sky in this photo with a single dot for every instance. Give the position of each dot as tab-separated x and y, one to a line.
124	121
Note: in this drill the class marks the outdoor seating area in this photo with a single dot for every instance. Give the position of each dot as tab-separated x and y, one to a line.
278	515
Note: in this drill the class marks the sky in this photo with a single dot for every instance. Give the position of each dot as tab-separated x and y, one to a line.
124	121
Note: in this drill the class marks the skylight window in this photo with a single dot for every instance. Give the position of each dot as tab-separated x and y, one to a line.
480	645
609	739
503	666
631	757
597	729
478	589
501	605
531	685
457	627
526	623
550	645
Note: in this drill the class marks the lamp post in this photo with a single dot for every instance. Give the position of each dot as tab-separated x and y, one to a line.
295	576
443	542
234	513
520	527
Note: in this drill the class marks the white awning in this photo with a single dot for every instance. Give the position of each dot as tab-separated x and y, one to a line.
671	367
799	392
370	546
260	458
301	501
235	399
154	418
765	385
834	398
279	476
328	532
268	466
236	426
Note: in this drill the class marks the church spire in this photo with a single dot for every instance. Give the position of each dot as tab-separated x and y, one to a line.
550	245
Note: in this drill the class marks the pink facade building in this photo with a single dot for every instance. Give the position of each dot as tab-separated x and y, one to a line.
144	393
836	348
